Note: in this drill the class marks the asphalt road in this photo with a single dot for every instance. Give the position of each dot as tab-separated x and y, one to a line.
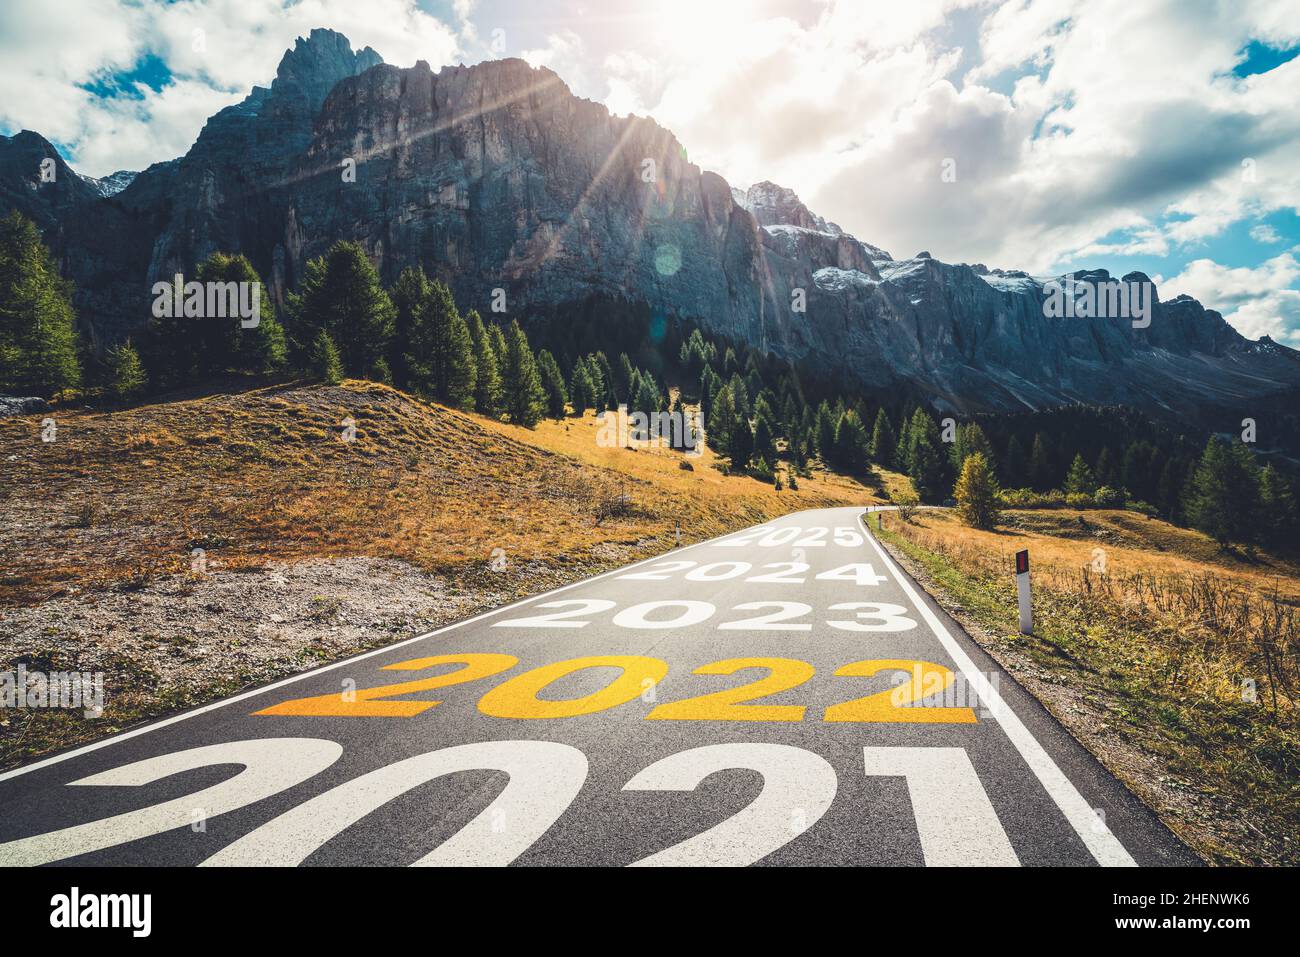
783	695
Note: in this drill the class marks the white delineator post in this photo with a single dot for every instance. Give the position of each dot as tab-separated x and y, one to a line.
1022	589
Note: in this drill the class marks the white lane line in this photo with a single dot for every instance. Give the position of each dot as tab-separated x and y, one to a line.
1092	830
292	679
954	818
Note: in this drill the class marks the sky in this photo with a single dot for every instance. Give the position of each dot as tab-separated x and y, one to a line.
1047	135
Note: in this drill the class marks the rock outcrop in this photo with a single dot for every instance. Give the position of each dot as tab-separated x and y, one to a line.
496	176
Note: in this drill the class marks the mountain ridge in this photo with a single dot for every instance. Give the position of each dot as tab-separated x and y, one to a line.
496	177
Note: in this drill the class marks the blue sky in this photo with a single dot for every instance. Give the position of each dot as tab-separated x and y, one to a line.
1161	136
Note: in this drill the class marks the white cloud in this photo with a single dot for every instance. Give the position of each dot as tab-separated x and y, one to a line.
48	59
1257	302
1264	233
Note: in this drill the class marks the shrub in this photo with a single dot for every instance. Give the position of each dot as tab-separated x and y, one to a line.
1107	497
1078	500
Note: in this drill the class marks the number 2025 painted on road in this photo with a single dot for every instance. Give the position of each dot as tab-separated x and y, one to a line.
518	697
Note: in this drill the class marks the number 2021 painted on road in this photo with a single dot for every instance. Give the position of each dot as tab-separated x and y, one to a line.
519	697
956	823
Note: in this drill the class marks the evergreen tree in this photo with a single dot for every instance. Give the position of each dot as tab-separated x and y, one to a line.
825	433
487	376
1223	494
341	294
764	439
977	492
257	349
927	466
126	379
557	396
971	439
1042	473
1170	490
38	334
607	381
623	378
409	295
883	441
722	420
582	392
740	448
521	384
1105	470
1079	480
1015	466
439	354
325	363
1277	508
852	447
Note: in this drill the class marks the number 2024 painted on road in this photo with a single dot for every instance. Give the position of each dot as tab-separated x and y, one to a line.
955	821
518	697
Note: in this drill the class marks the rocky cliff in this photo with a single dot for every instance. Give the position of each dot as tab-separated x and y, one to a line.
496	177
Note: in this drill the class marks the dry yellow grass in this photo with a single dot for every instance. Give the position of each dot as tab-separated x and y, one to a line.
262	475
1131	544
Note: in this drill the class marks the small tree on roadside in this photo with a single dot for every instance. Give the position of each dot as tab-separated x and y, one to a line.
977	492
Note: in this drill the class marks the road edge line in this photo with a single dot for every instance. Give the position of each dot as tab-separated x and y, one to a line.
1101	842
303	675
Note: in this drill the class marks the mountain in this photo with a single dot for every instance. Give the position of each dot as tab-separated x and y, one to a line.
496	176
113	183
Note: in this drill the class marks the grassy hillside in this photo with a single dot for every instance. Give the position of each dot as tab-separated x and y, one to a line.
1176	663
315	547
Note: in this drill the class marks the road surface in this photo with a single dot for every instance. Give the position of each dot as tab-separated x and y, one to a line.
782	695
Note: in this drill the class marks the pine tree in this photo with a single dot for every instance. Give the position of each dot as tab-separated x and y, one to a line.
1041	470
126	378
582	393
1015	466
521	384
883	441
977	492
722	420
764	441
971	439
607	381
341	294
740	447
927	465
38	333
825	433
325	363
487	377
1223	494
1277	507
1079	480
1104	471
409	295
557	396
852	453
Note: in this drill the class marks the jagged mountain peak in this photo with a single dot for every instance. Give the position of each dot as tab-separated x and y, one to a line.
496	177
318	62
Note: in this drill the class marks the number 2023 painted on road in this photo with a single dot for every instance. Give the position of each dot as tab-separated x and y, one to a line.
518	697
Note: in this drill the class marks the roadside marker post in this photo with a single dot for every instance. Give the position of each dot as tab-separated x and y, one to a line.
1022	589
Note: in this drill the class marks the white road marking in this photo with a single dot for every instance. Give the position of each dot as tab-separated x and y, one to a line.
954	818
544	778
302	676
1092	830
271	765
